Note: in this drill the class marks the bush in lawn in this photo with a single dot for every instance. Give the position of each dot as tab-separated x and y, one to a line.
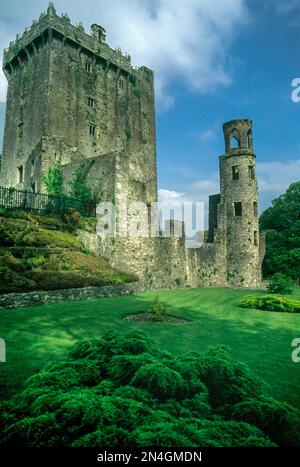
220	433
278	420
67	375
228	382
111	436
157	309
280	284
194	400
270	303
122	368
160	381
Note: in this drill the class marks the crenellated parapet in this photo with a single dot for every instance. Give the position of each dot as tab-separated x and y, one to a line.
50	24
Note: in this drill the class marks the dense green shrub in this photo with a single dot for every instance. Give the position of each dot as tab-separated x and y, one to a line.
123	390
281	284
227	382
270	303
162	382
278	420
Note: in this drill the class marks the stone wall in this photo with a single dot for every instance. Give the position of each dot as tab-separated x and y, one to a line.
29	299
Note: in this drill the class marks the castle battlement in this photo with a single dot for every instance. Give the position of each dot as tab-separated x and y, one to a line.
50	24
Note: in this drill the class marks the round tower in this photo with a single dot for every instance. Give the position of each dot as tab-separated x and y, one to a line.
239	205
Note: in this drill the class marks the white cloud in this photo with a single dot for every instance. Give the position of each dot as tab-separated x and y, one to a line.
182	40
206	135
275	177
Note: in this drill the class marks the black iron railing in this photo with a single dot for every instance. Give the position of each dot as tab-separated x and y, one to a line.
10	198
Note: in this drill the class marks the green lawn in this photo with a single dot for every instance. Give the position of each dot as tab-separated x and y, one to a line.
36	336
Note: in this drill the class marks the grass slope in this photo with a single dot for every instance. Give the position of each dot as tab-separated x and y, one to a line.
40	335
44	253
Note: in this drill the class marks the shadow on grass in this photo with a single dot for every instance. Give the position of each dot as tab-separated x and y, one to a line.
44	334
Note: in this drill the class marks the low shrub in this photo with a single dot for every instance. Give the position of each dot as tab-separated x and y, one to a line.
280	284
123	389
278	420
270	303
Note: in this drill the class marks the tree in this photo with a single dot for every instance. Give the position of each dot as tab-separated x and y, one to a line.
281	284
282	223
54	180
79	188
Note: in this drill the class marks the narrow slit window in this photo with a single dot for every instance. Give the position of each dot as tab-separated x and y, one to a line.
20	174
20	130
238	209
121	84
33	187
92	130
255	208
251	172
88	67
255	238
91	103
235	172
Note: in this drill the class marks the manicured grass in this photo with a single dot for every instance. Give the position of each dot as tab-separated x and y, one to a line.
44	334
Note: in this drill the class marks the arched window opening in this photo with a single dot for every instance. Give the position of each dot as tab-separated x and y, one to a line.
234	142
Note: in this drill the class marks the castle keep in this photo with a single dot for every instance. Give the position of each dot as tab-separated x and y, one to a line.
73	99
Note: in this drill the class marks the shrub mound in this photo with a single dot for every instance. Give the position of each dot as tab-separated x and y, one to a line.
123	390
270	303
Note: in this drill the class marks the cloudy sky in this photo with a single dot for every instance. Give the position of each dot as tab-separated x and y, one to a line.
214	60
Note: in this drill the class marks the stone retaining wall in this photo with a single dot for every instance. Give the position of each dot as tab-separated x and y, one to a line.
22	300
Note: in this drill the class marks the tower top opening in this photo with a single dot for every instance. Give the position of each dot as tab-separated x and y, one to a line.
238	136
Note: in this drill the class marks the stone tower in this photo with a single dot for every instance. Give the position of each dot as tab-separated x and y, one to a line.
72	98
238	208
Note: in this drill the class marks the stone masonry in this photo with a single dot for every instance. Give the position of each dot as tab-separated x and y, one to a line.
73	99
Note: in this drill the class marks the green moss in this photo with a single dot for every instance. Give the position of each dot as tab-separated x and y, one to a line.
138	93
133	79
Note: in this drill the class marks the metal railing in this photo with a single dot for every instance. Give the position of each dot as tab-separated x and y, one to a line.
41	203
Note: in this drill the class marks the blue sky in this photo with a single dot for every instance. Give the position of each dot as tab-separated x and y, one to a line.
214	61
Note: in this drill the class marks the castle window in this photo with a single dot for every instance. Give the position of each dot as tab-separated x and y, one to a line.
20	130
92	130
255	208
238	209
255	238
88	67
251	172
121	84
234	142
33	187
91	103
249	139
20	174
235	172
